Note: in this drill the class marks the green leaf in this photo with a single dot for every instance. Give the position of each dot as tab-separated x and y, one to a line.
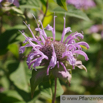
47	88
46	84
14	49
62	3
16	27
8	37
72	11
12	66
17	10
36	79
47	19
10	96
95	13
19	77
13	93
31	4
5	82
5	39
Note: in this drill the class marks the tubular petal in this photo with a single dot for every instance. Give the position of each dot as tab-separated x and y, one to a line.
69	37
65	30
54	28
63	66
83	43
16	3
37	62
30	30
49	28
44	34
82	53
22	48
75	37
53	60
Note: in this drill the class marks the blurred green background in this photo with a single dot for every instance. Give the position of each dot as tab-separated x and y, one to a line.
14	73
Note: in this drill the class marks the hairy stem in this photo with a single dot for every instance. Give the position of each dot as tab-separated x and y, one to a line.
54	96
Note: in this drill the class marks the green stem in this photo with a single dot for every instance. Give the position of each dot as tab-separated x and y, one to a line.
1	25
54	96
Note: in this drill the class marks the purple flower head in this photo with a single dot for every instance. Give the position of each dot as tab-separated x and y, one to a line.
94	29
0	3
54	54
15	2
82	3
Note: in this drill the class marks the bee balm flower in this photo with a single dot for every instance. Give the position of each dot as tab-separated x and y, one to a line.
82	4
54	54
0	3
15	2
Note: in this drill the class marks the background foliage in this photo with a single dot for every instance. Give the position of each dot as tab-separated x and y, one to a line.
14	73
